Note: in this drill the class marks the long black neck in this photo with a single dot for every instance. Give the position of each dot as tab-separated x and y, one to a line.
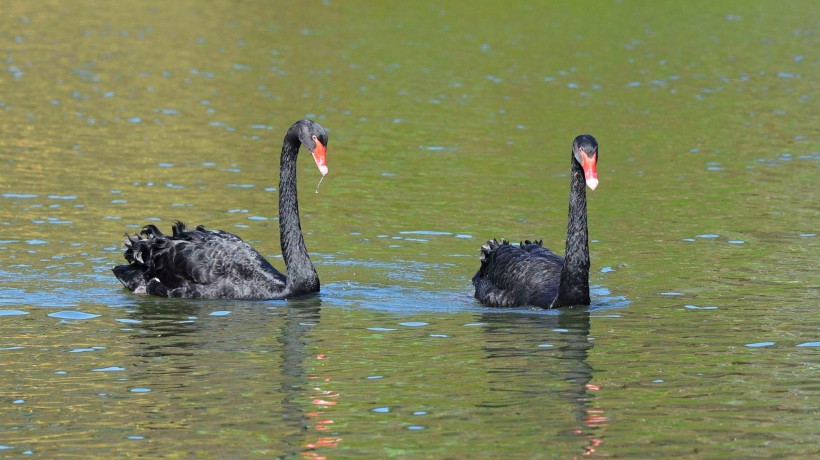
574	287
302	277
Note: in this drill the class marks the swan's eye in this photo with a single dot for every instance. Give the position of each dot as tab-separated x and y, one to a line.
315	139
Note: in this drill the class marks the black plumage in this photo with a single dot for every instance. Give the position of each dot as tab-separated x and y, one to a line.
216	264
529	274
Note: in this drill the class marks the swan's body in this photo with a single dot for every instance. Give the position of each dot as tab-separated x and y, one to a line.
531	275
215	264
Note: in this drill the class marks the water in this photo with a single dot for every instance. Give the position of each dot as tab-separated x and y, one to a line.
445	129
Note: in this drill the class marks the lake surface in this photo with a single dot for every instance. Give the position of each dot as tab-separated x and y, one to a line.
449	124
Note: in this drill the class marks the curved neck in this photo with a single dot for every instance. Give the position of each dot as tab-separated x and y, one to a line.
301	277
574	287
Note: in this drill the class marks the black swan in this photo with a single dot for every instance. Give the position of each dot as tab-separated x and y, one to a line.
531	275
215	264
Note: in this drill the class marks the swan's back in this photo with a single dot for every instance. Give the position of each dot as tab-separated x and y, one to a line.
512	276
197	263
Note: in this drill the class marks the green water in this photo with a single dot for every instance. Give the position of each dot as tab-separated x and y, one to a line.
450	123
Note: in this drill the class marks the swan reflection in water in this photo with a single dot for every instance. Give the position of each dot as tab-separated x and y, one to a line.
174	348
505	350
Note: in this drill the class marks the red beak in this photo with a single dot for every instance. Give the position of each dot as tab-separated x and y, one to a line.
319	158
590	173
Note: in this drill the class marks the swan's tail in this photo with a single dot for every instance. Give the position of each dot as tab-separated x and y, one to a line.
136	275
133	276
489	248
487	258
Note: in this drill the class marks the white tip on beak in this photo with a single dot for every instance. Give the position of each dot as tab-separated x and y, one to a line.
323	169
592	183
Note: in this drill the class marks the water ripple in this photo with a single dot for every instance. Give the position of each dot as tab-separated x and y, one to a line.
75	315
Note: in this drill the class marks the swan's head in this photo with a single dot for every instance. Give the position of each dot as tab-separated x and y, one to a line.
585	151
314	138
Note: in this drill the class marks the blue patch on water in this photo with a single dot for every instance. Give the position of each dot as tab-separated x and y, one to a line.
109	369
437	148
220	313
81	350
695	307
140	390
759	344
809	344
13	312
19	195
414	324
128	321
76	315
381	329
381	410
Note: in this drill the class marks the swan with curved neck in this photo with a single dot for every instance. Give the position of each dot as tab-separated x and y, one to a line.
529	274
215	264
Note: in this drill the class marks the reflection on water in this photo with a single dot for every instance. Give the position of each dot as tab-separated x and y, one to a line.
448	129
572	367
